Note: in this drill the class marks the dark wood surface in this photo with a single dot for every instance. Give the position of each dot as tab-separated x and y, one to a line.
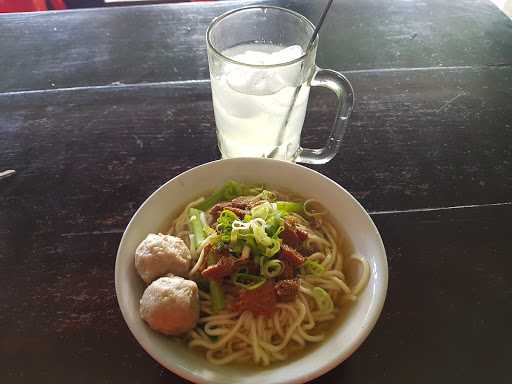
167	42
98	113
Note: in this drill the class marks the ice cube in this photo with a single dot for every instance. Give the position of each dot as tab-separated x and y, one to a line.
284	55
263	81
254	81
251	57
289	75
227	101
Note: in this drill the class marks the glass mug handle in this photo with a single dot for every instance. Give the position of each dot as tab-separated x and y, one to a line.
342	88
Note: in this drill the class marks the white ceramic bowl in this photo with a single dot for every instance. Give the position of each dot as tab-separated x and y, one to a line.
156	212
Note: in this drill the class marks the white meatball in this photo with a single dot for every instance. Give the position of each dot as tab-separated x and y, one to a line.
158	255
170	305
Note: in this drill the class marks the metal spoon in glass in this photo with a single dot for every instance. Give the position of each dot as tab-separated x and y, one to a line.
298	88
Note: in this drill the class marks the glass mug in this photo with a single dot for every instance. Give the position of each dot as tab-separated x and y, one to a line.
260	80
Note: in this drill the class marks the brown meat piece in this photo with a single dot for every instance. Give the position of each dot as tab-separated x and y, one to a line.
288	271
246	202
249	264
223	268
260	301
292	220
289	236
292	235
241	202
287	290
291	255
230	289
217	209
302	234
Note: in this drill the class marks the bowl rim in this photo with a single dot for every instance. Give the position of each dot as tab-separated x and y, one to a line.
375	311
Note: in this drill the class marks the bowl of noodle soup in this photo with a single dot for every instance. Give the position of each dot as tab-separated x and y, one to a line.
342	280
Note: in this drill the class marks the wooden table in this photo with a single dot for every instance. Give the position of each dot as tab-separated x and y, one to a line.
100	107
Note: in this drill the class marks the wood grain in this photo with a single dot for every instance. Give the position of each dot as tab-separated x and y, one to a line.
167	42
86	159
417	139
446	316
100	107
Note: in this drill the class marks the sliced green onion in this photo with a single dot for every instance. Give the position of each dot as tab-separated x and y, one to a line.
268	195
232	189
246	252
290	206
240	225
252	244
225	222
216	296
274	248
209	230
216	292
239	229
278	231
248	281
196	226
260	260
211	200
215	240
272	268
322	299
258	228
314	267
228	191
202	217
236	247
262	211
227	218
191	238
233	237
274	223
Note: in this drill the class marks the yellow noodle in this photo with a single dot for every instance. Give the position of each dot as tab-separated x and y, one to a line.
263	340
218	327
317	256
319	318
224	339
277	324
310	338
302	313
341	284
253	339
198	264
311	322
300	219
317	240
309	213
210	355
220	316
299	340
335	272
329	259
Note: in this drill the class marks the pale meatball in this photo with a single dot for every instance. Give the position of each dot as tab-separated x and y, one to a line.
158	255
170	305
